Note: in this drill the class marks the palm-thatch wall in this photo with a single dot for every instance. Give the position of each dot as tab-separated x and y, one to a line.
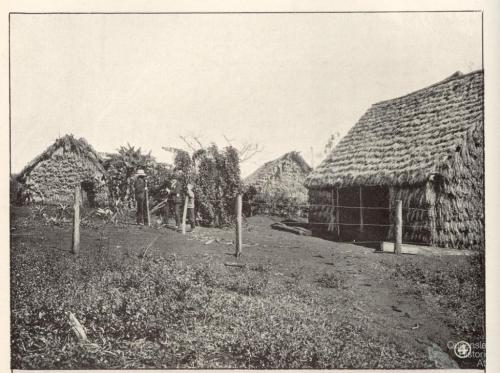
53	175
280	180
426	149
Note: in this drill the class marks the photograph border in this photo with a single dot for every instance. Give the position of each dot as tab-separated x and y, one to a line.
484	69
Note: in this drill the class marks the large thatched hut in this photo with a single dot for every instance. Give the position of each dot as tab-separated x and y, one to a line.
53	175
279	181
426	149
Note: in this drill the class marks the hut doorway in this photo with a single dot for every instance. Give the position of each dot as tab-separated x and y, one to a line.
88	193
364	213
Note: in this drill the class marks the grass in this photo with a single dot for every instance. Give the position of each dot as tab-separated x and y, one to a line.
287	310
456	287
330	280
161	313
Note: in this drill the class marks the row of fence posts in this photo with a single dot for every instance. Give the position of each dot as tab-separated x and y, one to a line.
238	243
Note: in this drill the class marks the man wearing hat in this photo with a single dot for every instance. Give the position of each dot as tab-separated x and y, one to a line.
174	204
177	200
140	187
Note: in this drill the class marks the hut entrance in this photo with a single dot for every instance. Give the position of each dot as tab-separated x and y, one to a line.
88	194
364	213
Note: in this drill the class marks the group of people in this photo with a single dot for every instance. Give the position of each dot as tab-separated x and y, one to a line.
175	197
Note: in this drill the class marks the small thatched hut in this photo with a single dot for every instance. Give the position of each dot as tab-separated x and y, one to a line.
280	180
53	175
426	149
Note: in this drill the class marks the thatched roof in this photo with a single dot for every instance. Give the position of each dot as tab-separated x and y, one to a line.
69	144
405	140
267	169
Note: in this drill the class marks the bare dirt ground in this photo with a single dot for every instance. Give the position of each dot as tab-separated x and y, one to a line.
368	286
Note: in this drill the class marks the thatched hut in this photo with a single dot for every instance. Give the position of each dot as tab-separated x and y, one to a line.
279	181
53	175
426	149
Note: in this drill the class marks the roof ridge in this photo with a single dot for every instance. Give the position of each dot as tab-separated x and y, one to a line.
296	156
49	151
451	78
377	149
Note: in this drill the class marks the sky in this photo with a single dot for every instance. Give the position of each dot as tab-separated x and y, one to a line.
283	81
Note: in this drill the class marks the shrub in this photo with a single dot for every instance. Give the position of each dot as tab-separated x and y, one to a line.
330	280
249	282
215	175
121	168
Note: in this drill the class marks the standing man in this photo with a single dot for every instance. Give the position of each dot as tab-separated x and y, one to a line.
174	201
190	206
140	187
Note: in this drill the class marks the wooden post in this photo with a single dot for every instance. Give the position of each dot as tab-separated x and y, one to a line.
77	328
337	212
238	241
184	213
361	226
76	222
331	226
398	229
147	205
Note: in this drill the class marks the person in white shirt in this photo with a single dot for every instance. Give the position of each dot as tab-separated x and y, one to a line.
190	206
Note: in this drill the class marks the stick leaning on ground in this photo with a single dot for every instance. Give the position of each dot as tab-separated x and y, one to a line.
159	205
77	328
184	213
147	205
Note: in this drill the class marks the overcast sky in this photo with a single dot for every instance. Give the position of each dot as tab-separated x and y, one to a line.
285	81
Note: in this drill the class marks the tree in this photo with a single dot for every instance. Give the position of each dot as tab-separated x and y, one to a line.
219	182
215	175
194	143
330	144
246	150
121	168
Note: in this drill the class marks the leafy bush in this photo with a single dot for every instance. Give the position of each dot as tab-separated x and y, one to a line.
15	189
121	168
215	175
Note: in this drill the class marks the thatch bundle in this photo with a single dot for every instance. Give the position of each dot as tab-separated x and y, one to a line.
53	175
425	148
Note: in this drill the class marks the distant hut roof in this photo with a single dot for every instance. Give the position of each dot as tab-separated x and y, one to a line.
267	168
405	139
69	144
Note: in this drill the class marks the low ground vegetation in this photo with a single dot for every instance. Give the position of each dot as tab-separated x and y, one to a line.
165	314
171	308
457	288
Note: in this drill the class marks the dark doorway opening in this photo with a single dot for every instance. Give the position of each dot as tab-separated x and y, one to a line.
88	194
377	212
364	213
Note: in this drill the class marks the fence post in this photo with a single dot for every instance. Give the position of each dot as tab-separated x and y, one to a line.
398	229
76	222
361	222
238	241
184	213
337	212
147	205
